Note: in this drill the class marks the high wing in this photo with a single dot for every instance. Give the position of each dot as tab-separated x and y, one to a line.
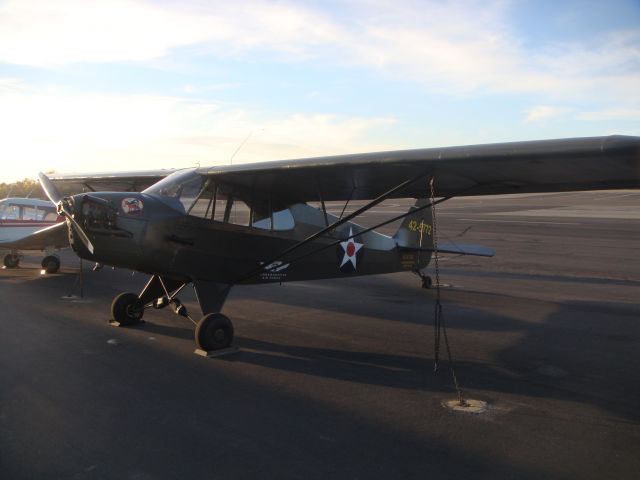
133	181
593	163
55	236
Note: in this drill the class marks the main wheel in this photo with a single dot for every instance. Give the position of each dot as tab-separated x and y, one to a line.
127	309
51	264
427	282
214	332
11	260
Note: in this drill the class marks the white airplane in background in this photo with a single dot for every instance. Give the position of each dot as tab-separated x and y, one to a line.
21	219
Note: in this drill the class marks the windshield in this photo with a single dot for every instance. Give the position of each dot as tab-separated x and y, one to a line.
179	190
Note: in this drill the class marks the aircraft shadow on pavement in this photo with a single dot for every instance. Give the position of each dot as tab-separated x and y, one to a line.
583	352
389	301
176	331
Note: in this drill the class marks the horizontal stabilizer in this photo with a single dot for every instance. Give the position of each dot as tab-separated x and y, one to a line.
457	248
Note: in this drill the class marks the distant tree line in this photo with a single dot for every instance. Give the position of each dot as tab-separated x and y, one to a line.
22	188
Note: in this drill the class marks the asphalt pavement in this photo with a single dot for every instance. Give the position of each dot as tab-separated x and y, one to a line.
334	379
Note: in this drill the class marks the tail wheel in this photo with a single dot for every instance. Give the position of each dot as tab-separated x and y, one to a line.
214	332
127	309
11	260
51	264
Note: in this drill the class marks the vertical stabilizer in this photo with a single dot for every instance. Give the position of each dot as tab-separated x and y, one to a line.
416	230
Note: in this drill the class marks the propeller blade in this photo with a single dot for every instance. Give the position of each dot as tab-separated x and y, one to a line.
83	236
49	188
54	195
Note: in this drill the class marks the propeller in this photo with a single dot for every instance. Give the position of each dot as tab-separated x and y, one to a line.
54	195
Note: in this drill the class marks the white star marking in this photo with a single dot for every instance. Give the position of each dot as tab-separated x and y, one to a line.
351	248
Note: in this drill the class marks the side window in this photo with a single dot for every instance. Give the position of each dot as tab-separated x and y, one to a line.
283	220
261	214
31	213
221	213
270	216
12	212
263	223
219	203
240	212
223	203
203	206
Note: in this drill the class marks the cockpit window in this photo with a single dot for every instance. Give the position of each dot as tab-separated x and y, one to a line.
231	204
179	190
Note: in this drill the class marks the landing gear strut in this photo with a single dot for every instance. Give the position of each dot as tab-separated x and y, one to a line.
213	332
426	280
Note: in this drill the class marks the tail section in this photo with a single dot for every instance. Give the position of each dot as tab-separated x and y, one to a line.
416	235
416	230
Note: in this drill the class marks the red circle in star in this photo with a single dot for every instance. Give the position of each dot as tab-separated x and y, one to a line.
351	249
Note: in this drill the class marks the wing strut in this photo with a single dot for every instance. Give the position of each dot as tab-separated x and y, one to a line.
331	227
270	264
324	208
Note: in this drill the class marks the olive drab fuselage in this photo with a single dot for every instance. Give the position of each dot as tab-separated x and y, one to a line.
139	231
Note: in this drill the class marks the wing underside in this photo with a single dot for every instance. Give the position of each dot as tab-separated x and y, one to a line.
132	181
595	163
573	164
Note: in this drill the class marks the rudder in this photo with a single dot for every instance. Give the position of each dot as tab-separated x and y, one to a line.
416	230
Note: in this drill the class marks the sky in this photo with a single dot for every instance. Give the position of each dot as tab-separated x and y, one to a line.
120	85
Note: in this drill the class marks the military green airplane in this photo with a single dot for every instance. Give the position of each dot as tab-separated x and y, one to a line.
223	226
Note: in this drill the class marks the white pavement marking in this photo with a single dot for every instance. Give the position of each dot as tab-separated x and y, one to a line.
579	211
515	221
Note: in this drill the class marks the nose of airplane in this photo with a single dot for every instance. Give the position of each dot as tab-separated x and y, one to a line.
95	211
63	209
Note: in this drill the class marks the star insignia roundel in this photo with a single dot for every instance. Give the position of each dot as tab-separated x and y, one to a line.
350	249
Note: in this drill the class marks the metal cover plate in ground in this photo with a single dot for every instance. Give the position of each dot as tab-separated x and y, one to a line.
469	406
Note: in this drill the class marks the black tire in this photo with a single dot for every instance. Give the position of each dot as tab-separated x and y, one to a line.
427	282
51	264
214	332
127	309
11	260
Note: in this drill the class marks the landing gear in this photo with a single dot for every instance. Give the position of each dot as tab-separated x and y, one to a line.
51	264
127	309
214	332
425	280
11	260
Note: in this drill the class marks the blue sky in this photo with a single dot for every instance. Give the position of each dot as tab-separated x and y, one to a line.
122	84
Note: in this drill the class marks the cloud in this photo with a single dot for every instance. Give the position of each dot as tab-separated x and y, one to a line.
456	47
68	31
545	112
611	114
11	85
45	130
